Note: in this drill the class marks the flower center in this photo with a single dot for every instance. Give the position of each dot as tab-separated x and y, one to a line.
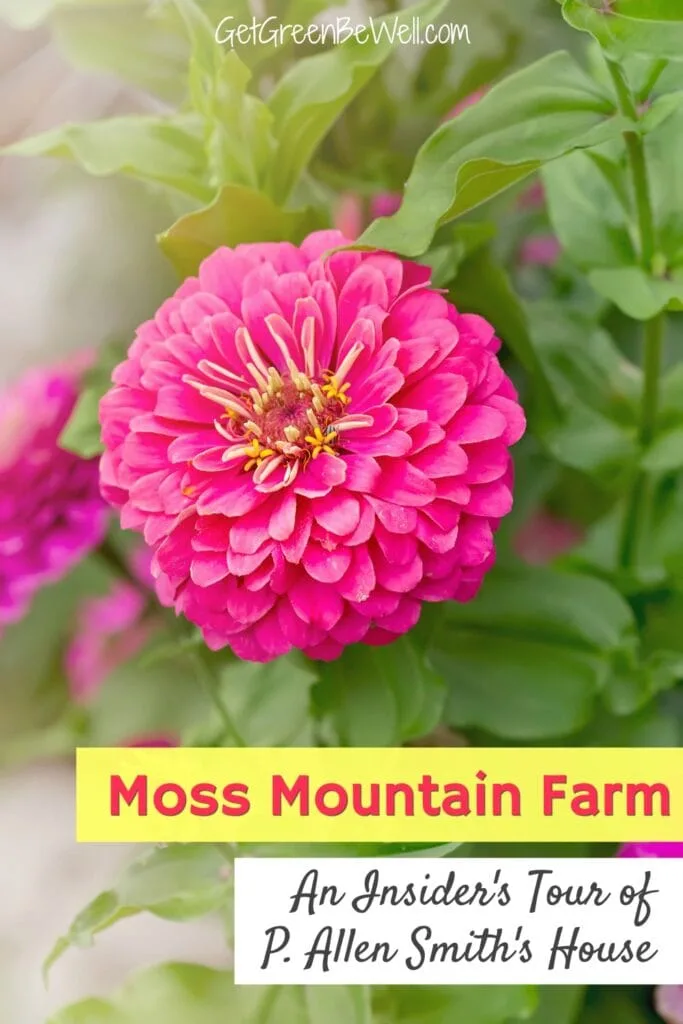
280	418
293	417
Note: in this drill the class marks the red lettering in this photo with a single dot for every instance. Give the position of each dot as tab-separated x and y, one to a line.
333	789
118	791
551	793
290	794
235	800
180	799
204	802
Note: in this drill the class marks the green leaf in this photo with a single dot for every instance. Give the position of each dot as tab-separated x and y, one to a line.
237	215
269	704
624	27
81	435
558	1004
586	211
381	696
447	259
176	883
636	293
534	116
527	659
310	97
471	1004
665	453
482	286
597	391
165	151
190	994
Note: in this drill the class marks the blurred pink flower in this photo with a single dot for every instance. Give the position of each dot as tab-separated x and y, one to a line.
466	102
153	740
51	512
384	204
110	631
651	850
312	446
348	217
533	198
669	1003
540	250
545	537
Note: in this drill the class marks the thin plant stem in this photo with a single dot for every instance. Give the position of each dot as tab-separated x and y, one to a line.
638	500
211	686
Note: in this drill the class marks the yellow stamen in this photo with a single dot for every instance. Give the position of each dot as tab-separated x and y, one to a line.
189	491
320	442
333	390
256	454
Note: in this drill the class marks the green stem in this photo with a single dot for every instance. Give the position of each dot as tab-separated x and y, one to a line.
655	73
638	500
652	365
636	155
212	688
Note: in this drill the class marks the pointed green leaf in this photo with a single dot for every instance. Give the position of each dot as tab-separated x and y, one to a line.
157	150
176	883
533	117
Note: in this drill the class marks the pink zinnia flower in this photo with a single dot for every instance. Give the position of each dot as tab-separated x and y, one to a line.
110	631
312	445
51	512
651	850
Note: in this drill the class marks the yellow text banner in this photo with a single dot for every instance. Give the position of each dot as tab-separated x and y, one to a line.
379	796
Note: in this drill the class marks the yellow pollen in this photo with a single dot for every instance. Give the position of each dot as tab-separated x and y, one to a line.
256	454
332	390
189	491
320	442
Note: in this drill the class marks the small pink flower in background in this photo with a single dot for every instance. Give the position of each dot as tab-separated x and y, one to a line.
669	1003
467	102
51	512
651	850
153	741
533	198
110	631
545	537
540	250
384	204
312	446
348	216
